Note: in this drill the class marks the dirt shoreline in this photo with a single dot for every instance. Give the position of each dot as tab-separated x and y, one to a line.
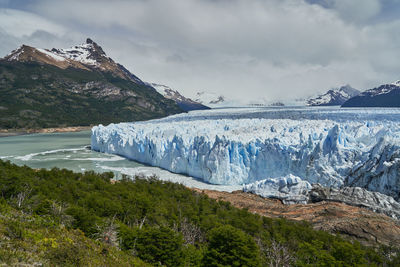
363	225
7	132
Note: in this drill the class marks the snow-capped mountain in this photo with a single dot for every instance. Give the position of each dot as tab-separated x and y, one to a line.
334	97
75	86
215	100
184	103
87	56
210	99
386	95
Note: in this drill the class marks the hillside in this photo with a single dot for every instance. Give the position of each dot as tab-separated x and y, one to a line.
78	86
386	95
361	224
160	222
44	240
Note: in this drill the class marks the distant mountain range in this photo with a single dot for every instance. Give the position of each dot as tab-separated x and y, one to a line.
43	88
334	97
386	95
210	99
184	103
215	100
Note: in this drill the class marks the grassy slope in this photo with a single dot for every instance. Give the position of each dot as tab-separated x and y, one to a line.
32	239
39	96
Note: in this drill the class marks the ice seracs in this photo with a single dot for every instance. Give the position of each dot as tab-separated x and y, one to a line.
332	147
289	189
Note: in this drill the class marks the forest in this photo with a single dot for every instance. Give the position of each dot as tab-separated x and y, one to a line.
59	217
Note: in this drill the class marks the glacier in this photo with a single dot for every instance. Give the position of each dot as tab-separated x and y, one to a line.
330	146
290	189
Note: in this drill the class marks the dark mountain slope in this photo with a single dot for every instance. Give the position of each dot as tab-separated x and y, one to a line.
42	89
386	95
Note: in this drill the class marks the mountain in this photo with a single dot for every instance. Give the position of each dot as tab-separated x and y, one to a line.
43	88
334	97
210	99
184	103
386	95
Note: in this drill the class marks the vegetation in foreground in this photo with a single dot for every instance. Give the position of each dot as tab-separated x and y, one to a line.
57	217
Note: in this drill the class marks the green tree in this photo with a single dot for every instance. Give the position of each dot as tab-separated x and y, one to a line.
160	246
229	246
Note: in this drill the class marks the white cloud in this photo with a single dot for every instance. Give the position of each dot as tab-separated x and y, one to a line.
248	49
353	10
20	23
357	10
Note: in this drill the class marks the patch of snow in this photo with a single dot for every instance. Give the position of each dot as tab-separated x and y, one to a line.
168	92
397	83
80	53
51	54
383	89
14	55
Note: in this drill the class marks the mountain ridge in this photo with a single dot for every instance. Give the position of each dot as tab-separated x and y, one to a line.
333	97
87	56
187	104
78	86
385	95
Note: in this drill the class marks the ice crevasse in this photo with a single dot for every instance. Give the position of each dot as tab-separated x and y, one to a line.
242	151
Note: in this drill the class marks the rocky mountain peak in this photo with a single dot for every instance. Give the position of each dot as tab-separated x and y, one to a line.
89	56
17	54
89	41
89	53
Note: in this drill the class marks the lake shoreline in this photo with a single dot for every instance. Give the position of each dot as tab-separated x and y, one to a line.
6	133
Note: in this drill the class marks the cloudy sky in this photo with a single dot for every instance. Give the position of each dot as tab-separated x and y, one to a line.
245	49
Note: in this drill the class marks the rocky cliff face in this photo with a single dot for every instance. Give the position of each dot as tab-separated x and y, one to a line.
356	196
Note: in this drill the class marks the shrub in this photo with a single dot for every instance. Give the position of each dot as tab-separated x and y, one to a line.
229	246
160	246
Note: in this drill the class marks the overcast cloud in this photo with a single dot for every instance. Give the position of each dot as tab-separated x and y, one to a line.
245	49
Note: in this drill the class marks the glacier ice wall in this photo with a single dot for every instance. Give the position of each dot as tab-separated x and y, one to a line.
235	149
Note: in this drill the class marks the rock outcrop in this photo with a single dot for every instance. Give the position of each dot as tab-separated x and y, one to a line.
356	196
